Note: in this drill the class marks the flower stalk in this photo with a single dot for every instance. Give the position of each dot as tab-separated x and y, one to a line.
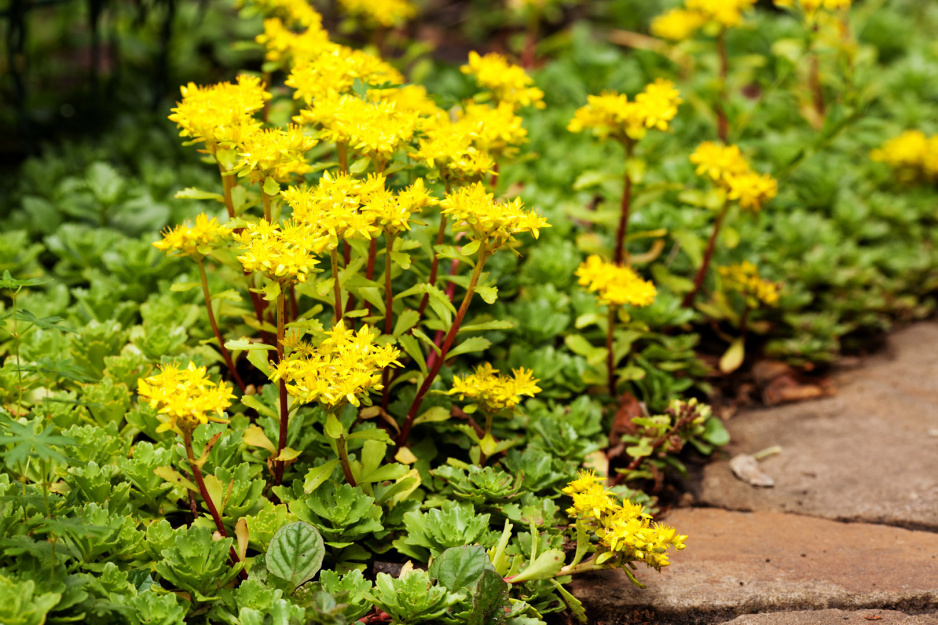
708	255
336	287
284	409
211	318
447	343
723	127
621	255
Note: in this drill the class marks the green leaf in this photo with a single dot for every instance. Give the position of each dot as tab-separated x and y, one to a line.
460	567
271	186
488	293
374	434
575	605
295	553
405	321
333	427
433	415
545	566
318	475
412	348
470	345
191	193
487	325
259	359
489	600
734	356
251	401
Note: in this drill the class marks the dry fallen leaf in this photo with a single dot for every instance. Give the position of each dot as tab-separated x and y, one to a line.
746	468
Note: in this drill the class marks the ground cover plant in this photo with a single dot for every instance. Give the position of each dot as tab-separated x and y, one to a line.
361	312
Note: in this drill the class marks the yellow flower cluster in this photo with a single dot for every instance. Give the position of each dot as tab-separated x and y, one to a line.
504	81
335	70
475	211
219	114
296	13
744	278
449	148
276	153
811	7
377	129
726	166
341	207
185	398
345	365
386	13
283	254
624	529
912	154
612	114
410	98
492	391
681	23
615	285
195	240
498	130
284	47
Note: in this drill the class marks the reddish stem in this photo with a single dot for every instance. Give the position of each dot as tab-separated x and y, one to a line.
284	413
434	265
197	474
708	254
214	324
623	229
723	126
450	337
610	358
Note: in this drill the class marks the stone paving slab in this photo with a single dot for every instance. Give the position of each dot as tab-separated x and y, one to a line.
836	617
867	454
740	563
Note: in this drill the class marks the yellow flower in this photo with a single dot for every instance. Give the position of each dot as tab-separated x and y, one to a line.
744	278
219	113
728	13
614	284
285	47
296	13
677	24
376	129
912	154
194	240
593	502
811	7
497	130
449	148
344	366
751	190
492	391
334	209
719	162
386	13
629	532
494	223
611	114
276	153
282	254
410	98
185	398
335	71
584	481
506	82
392	213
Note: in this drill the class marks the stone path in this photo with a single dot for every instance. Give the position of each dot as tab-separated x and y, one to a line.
849	532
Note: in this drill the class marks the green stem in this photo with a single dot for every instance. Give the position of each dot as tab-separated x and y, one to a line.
444	349
228	183
211	318
344	461
267	209
388	314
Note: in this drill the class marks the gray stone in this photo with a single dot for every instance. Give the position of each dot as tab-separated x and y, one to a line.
865	454
835	617
740	563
